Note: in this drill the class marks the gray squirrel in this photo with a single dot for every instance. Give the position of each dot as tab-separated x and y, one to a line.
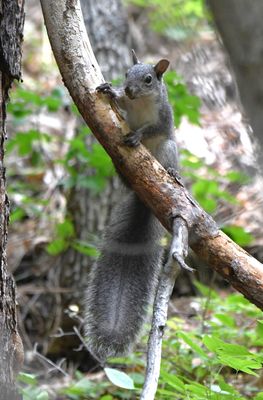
123	280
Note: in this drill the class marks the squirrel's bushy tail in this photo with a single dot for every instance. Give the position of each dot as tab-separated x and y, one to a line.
122	281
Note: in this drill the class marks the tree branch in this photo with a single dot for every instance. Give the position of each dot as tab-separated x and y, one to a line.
169	273
165	195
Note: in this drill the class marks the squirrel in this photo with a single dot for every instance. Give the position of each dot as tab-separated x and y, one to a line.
122	282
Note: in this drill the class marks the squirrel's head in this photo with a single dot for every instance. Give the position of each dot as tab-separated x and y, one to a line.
144	79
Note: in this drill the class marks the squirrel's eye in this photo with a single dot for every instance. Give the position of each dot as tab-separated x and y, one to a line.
148	79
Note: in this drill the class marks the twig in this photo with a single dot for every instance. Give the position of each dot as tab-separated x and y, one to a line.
178	251
48	361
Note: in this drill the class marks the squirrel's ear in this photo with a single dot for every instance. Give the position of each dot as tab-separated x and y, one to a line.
134	57
161	67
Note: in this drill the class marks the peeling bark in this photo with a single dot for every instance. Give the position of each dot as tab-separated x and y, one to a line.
166	196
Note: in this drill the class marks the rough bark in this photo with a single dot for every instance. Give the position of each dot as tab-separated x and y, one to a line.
11	351
240	24
165	195
107	28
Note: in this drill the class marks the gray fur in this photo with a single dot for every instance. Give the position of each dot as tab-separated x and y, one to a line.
122	282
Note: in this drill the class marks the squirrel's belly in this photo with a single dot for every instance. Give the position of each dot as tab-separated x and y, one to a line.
153	143
141	112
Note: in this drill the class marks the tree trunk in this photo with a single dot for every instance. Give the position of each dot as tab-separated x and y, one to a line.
107	25
11	349
240	24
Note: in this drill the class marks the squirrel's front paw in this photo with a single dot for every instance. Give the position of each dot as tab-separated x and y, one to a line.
106	89
173	172
133	139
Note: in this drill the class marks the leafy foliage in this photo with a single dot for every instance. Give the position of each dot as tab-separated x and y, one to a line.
209	189
175	18
211	356
84	166
81	160
183	103
29	388
238	234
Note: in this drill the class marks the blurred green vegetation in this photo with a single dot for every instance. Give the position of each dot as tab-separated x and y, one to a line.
183	103
88	165
216	354
175	18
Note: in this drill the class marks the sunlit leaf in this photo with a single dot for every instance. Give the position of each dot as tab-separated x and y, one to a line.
119	378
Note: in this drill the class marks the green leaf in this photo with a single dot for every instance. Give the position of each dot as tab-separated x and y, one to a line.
226	320
57	246
85	248
119	378
138	378
259	329
182	102
65	229
74	109
81	388
173	381
24	141
18	111
226	387
187	338
205	191
238	234
100	160
166	394
218	346
17	215
29	96
237	299
237	177
43	395
84	130
52	103
197	389
233	355
29	379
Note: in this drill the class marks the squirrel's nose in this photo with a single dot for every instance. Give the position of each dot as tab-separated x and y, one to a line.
128	91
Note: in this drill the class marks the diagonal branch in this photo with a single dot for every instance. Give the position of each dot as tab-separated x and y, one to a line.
165	195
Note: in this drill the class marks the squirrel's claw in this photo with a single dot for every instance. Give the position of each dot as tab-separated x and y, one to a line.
106	88
173	172
132	139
